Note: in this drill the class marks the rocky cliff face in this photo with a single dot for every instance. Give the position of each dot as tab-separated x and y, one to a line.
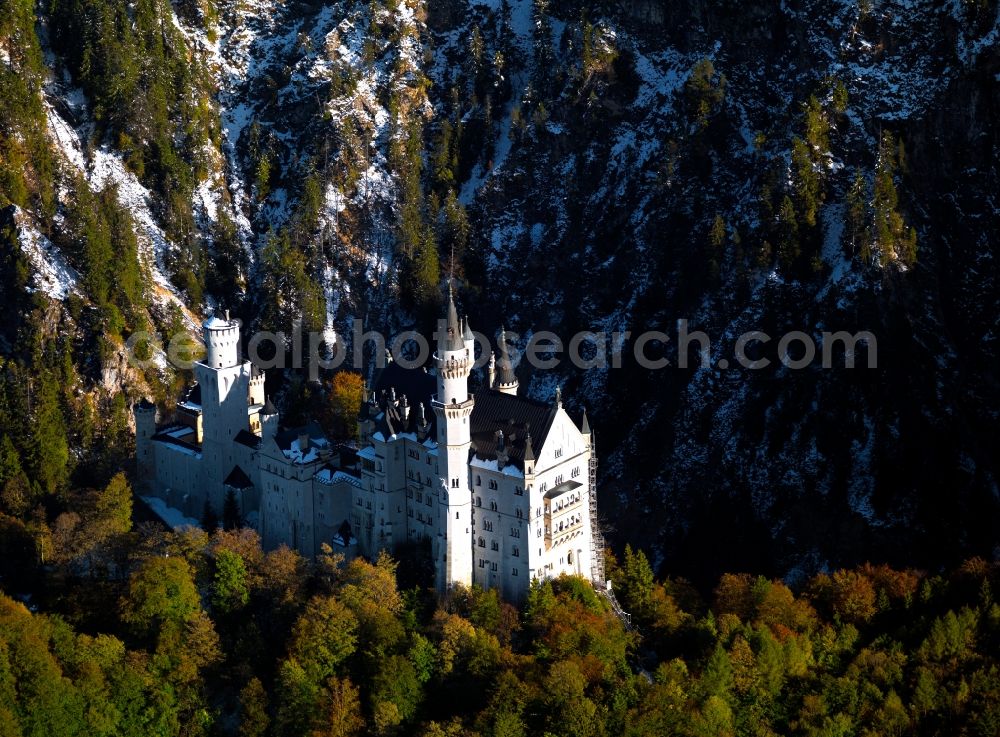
621	167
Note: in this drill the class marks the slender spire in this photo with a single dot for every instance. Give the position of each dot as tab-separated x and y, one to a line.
467	330
506	378
529	453
558	396
585	425
454	329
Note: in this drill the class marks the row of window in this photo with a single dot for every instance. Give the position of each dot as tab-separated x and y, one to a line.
485	564
420	517
420	497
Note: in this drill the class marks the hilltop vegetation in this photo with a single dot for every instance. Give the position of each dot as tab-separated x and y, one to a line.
185	634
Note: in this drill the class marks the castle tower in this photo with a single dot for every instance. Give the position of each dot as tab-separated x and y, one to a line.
225	384
256	386
145	428
269	421
453	407
506	379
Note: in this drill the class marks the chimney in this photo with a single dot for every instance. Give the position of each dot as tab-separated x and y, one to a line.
304	443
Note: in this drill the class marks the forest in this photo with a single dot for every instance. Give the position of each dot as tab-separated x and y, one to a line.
147	632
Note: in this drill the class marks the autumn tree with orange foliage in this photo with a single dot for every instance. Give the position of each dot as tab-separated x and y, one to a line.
346	392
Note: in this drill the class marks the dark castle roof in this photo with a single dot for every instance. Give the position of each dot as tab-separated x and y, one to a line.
247	438
416	385
493	412
237	479
516	417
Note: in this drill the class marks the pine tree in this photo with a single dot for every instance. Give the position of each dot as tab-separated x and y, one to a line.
857	216
788	235
231	519
209	519
49	454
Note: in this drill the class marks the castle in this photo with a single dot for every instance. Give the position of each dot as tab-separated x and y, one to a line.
503	487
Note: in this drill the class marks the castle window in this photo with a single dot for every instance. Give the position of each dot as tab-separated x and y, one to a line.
519	513
487	525
518	491
493	506
479	481
559	479
494	546
575	472
516	552
482	563
482	543
493	484
454	483
420	497
515	532
569	557
479	501
513	571
559	452
456	515
493	567
539	532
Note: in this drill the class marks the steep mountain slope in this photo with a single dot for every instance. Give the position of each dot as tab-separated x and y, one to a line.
617	167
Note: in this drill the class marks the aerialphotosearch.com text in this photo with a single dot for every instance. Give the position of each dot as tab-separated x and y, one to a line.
650	349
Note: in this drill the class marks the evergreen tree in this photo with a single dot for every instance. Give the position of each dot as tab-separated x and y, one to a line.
788	235
231	518
209	519
49	454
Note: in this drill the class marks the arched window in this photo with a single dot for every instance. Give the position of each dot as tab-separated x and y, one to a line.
569	557
482	543
479	481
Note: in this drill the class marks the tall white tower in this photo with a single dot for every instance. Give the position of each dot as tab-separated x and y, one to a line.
225	382
453	407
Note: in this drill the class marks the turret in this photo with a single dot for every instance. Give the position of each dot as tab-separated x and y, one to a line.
529	457
256	396
468	338
423	427
505	379
222	342
453	360
269	420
